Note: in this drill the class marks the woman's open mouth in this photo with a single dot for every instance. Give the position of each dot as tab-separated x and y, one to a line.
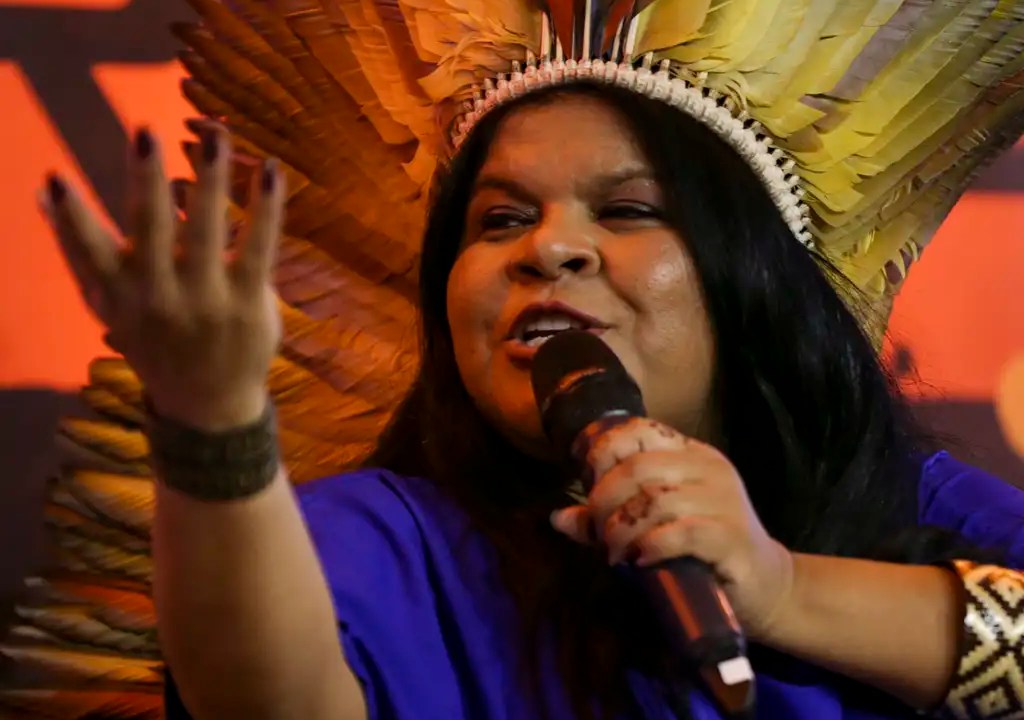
539	322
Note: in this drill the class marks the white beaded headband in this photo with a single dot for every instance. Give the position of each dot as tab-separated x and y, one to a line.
714	110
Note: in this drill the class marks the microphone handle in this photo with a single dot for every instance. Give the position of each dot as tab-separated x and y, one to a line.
700	625
694	610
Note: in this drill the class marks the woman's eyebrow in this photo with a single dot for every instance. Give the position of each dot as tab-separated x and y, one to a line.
596	185
607	182
503	184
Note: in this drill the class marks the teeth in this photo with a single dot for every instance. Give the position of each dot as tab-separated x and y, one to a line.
548	324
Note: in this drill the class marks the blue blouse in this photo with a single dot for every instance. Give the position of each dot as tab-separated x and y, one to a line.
429	631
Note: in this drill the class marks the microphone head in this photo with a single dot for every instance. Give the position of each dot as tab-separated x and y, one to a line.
577	379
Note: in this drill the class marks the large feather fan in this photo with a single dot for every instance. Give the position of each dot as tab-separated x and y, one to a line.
889	108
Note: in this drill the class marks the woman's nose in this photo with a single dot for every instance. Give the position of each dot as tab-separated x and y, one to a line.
555	249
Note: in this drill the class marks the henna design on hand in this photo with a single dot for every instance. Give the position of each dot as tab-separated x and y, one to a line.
639	506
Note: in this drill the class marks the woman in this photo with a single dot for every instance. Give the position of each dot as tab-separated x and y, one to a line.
799	450
777	450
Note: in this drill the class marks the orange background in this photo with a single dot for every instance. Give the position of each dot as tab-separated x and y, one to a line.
961	315
46	334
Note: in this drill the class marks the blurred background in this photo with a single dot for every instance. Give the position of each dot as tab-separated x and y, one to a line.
76	76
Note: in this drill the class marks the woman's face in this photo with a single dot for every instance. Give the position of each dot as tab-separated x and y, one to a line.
564	226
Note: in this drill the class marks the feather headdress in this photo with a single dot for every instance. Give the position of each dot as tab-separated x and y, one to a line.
866	119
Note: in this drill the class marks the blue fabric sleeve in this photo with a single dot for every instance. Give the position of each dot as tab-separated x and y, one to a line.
374	556
384	544
985	510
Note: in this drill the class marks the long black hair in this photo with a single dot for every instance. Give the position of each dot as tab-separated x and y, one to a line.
808	414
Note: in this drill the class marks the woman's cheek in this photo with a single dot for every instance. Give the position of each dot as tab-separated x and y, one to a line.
476	299
653	280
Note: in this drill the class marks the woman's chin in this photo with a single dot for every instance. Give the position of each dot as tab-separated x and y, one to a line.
523	430
537	448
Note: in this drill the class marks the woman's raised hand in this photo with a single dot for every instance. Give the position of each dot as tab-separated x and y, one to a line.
196	321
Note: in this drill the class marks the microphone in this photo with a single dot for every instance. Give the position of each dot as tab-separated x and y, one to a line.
582	390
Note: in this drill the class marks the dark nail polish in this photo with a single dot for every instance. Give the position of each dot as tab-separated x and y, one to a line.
211	146
143	144
179	191
632	554
268	178
235	232
57	189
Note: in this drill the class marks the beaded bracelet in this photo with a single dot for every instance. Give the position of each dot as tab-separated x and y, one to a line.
989	682
214	466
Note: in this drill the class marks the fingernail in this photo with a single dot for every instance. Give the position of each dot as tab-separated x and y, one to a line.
197	125
143	144
268	179
556	519
179	190
211	145
57	189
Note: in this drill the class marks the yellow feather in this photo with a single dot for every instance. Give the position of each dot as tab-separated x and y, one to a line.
125	607
83	704
732	31
667	23
116	376
75	624
317	284
67	514
349	362
975	67
850	26
324	41
765	82
942	148
107	403
74	665
434	30
80	556
74	453
127	501
778	37
942	164
474	58
374	48
920	60
328	136
119	443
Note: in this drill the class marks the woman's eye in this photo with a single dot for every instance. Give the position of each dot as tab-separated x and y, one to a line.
629	211
504	220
